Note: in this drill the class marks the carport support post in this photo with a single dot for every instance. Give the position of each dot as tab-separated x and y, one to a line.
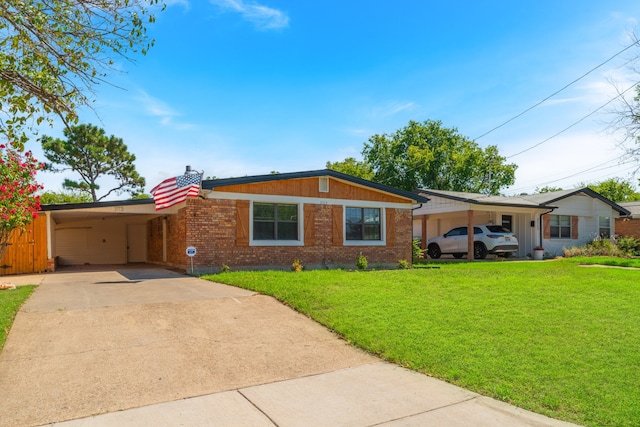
470	235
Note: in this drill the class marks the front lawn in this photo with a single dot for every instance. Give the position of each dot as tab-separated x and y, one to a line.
552	337
10	303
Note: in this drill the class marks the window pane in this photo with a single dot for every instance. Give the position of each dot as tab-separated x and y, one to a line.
555	231
353	215
263	230
372	232
554	220
287	231
565	220
287	212
263	211
604	222
354	231
565	232
371	216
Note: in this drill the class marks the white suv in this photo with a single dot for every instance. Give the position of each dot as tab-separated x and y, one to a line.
487	239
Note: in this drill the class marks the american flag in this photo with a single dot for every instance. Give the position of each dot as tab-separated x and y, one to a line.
175	190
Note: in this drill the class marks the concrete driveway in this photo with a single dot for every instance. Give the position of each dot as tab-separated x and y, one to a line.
147	346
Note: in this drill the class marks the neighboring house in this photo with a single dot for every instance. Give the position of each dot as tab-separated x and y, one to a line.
323	218
553	220
629	226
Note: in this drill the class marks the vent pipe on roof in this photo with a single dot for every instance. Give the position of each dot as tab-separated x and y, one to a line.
188	170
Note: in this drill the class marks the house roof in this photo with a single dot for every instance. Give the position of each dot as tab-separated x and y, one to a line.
541	200
632	207
214	183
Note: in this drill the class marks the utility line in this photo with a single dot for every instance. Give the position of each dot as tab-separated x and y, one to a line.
558	91
577	122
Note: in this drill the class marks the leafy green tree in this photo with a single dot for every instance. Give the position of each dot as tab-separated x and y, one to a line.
428	155
88	151
54	52
19	201
616	190
352	167
64	196
548	189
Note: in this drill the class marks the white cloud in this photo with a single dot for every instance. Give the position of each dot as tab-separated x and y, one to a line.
263	17
158	108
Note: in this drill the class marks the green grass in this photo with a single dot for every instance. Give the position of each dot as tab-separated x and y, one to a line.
10	303
551	337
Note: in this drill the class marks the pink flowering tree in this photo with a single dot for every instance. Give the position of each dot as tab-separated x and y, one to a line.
19	203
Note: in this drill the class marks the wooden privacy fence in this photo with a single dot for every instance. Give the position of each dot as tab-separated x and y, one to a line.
27	250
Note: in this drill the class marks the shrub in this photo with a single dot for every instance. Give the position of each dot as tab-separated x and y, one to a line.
403	264
629	245
225	268
362	262
416	249
296	266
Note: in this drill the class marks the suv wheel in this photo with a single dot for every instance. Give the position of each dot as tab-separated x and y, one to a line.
434	251
479	250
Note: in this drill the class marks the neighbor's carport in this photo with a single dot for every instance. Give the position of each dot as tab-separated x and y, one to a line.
100	232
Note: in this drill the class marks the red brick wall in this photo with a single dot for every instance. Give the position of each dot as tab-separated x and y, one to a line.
628	227
210	226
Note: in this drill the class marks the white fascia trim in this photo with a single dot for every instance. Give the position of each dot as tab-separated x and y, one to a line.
299	242
305	200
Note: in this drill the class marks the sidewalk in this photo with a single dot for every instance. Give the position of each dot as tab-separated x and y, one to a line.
152	347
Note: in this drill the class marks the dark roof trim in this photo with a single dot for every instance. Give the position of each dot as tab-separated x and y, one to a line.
70	206
212	184
590	192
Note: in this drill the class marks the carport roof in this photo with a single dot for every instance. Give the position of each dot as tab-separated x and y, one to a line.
89	205
537	201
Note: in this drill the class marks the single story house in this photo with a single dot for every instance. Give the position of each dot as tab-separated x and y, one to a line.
323	218
629	226
553	220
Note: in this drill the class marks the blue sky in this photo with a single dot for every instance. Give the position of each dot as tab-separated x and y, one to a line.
240	87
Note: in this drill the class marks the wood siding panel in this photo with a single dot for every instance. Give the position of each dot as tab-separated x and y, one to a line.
310	187
27	251
242	222
337	224
574	227
309	225
391	226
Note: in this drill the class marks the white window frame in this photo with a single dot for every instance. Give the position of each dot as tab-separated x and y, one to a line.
383	223
608	218
559	236
298	242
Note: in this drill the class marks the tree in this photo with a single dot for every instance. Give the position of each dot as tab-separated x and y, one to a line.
352	167
428	155
92	154
548	189
64	196
19	202
616	190
54	52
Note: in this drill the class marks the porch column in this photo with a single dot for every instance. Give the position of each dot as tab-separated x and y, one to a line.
470	235
424	231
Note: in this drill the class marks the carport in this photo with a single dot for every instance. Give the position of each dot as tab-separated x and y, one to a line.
100	232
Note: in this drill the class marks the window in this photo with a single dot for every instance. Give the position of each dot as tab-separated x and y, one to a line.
363	224
507	222
604	227
275	221
560	226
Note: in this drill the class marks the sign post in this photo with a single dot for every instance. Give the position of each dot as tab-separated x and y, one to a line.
191	252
